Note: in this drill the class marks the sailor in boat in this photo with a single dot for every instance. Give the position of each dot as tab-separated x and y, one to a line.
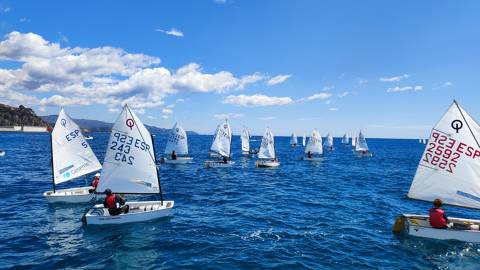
309	154
174	155
94	183
225	159
115	203
437	217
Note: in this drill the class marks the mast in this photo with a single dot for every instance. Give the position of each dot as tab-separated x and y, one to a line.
158	173
53	169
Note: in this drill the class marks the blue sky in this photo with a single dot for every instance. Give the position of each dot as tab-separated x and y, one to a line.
389	68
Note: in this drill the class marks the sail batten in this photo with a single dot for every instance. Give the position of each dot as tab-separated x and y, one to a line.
129	165
449	168
72	155
267	147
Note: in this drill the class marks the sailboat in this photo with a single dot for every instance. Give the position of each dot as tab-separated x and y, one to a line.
221	147
354	142
2	153
177	141
420	140
72	158
314	149
361	147
345	139
303	140
130	168
329	142
266	155
246	151
448	170
293	139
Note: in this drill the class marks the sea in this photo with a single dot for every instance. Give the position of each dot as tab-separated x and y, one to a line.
333	214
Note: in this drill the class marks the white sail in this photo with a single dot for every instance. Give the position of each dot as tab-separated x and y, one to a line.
177	141
267	148
72	155
354	141
129	165
345	139
329	140
361	144
303	140
450	165
245	140
314	145
223	138
293	139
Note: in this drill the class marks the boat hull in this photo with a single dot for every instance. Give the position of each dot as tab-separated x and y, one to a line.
312	158
267	163
465	230
70	195
360	154
179	160
218	164
2	153
139	212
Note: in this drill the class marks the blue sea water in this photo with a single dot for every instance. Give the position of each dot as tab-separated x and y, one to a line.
335	214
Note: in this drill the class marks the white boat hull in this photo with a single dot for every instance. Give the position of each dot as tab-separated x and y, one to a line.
138	212
218	164
70	195
2	153
267	163
312	158
419	226
179	160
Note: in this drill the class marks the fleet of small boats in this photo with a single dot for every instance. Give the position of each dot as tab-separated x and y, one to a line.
448	170
72	158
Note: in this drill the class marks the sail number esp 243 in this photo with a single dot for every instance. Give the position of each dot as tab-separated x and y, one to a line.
443	152
123	144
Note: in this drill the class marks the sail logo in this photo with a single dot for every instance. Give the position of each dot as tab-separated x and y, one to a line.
63	122
130	123
66	175
456	125
62	171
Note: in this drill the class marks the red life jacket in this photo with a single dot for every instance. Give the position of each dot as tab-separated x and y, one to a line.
95	182
111	201
437	220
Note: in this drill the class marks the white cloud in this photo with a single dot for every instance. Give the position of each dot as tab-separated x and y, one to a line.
23	20
394	78
52	75
220	1
333	109
164	116
321	96
404	88
180	100
171	32
113	110
328	102
257	100
228	115
4	9
266	118
447	84
343	94
361	81
150	117
171	106
278	79
167	111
